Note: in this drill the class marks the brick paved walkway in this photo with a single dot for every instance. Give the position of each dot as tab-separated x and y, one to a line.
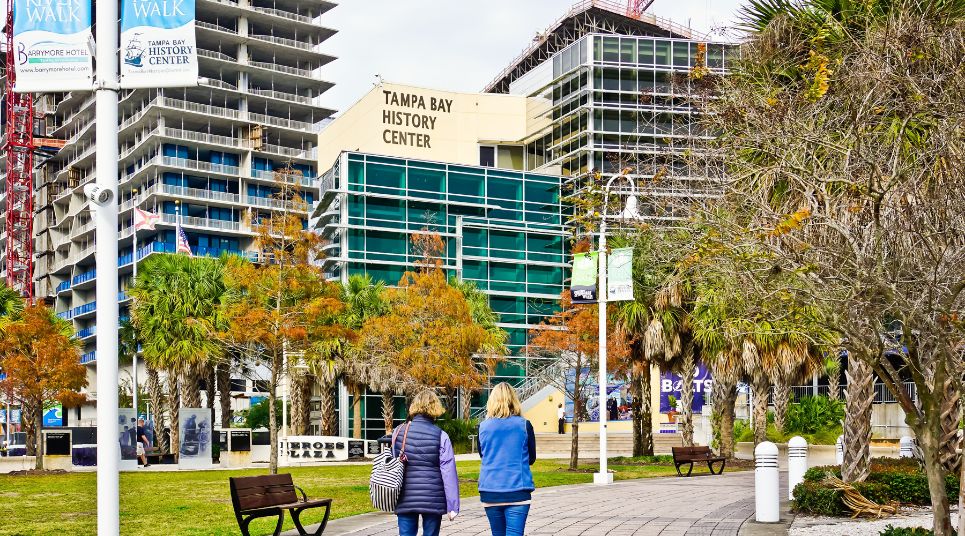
699	506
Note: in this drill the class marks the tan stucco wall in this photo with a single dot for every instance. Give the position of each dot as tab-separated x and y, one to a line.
543	414
451	125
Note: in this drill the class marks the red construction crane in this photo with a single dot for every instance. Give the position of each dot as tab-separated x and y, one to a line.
19	148
635	8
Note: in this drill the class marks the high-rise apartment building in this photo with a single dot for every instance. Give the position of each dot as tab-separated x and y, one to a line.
208	156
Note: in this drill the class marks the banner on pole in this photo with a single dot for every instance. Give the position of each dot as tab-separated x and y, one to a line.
619	274
158	44
584	279
53	45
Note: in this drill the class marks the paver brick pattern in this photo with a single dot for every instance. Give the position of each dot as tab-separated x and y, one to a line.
695	506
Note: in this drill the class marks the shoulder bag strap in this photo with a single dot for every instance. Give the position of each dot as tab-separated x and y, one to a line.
404	437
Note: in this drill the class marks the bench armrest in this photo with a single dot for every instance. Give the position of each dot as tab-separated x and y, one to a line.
300	490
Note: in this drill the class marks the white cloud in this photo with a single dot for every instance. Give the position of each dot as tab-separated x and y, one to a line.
455	44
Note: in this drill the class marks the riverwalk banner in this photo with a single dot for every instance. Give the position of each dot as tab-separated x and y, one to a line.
53	45
158	46
583	281
619	275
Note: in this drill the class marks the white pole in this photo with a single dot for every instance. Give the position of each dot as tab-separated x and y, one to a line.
106	236
797	463
134	357
839	450
603	476
284	404
767	499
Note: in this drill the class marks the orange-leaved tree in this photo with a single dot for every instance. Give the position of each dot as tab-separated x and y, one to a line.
42	362
279	306
572	336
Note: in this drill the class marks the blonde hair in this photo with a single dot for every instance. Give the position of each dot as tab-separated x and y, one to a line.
503	402
426	403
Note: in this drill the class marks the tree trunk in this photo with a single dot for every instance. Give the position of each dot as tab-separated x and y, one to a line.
39	438
834	381
858	398
356	411
388	410
951	411
636	418
327	406
210	386
156	393
466	405
686	426
725	397
191	386
272	417
174	406
300	401
224	394
929	437
646	420
28	417
761	387
782	399
575	432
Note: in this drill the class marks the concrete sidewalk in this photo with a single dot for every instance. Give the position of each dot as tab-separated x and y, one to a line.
700	505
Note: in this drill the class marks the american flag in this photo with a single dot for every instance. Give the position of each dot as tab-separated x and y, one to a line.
182	245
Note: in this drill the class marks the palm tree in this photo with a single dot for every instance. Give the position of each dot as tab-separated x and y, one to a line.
482	315
176	310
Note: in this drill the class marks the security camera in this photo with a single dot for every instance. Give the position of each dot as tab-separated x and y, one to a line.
98	194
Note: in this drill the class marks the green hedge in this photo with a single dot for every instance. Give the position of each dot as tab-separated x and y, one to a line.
891	530
891	480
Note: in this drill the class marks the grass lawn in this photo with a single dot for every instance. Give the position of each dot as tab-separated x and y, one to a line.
198	502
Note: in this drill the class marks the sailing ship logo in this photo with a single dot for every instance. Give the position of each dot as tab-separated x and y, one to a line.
134	53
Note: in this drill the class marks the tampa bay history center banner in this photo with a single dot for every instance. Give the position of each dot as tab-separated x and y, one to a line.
158	44
52	45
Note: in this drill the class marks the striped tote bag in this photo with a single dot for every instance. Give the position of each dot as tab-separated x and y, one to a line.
385	483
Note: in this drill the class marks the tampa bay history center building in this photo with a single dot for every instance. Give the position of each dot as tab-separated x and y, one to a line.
486	170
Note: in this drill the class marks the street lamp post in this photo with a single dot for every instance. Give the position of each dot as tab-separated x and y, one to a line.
604	477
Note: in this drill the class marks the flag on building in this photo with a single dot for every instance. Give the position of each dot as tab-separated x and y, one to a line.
182	245
145	220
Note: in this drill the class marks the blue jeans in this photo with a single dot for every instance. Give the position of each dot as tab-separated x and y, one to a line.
409	524
507	520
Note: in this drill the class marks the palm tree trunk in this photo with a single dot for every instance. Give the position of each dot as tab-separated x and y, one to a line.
951	412
327	406
686	427
761	387
725	397
28	417
388	410
466	400
356	411
782	399
174	406
646	420
156	393
300	401
191	387
834	379
210	387
858	399
224	393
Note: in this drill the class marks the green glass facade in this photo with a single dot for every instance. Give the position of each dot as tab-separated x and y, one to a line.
504	230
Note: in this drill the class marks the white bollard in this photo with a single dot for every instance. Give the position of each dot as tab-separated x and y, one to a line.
839	450
906	447
767	496
797	463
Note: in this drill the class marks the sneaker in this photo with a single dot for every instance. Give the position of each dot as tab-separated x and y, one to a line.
147	465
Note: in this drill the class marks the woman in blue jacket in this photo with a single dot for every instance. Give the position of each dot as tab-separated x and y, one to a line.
507	446
430	487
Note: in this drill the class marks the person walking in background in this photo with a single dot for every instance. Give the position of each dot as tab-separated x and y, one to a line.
430	487
507	446
611	406
561	417
142	443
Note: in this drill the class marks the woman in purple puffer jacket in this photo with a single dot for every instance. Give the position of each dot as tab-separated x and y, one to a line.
430	488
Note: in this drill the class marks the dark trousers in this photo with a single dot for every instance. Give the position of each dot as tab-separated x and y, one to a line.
562	424
507	520
409	524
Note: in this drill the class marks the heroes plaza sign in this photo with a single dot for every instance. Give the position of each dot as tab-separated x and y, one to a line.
409	126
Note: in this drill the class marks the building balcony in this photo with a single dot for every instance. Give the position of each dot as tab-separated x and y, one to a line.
89	357
86	333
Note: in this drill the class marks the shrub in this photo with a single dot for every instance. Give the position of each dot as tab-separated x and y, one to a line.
904	487
812	414
891	530
459	431
814	498
817	474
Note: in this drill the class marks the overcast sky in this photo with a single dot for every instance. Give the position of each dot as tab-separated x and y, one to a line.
457	45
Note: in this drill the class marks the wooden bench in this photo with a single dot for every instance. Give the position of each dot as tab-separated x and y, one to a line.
270	495
689	455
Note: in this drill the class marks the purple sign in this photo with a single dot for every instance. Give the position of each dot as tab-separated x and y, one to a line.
670	385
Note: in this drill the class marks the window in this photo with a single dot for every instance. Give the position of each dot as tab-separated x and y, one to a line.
611	49
681	58
487	156
238	385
